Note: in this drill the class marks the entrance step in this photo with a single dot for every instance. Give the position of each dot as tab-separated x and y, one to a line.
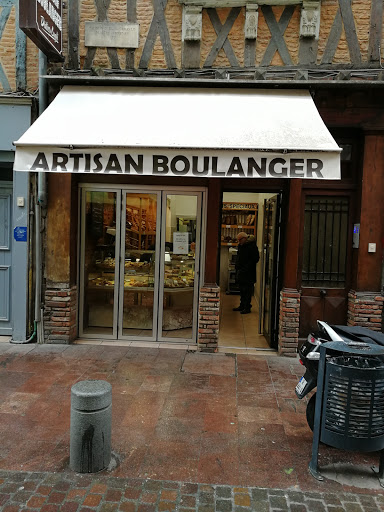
210	364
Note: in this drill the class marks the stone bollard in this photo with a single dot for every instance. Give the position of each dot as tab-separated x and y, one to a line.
91	419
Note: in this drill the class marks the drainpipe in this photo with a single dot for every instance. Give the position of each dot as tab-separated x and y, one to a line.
41	201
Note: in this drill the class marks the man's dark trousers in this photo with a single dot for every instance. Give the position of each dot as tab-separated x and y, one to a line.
246	292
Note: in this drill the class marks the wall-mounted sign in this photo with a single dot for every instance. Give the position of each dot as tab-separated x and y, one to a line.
41	20
20	233
111	35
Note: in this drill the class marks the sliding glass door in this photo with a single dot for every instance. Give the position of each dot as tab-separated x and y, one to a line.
139	269
99	274
180	247
139	264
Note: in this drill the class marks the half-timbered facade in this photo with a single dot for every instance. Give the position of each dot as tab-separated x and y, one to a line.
323	255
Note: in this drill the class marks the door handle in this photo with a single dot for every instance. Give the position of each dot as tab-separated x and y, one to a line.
323	293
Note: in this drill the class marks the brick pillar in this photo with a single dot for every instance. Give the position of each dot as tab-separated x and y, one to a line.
365	309
289	319
60	322
209	306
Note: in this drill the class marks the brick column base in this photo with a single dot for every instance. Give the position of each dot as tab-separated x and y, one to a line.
60	323
289	319
365	309
209	306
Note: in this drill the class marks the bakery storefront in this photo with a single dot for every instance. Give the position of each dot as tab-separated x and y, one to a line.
141	160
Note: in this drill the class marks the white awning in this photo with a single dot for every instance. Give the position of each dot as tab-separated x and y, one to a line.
181	132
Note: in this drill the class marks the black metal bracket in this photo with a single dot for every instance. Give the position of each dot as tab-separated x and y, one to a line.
313	465
380	470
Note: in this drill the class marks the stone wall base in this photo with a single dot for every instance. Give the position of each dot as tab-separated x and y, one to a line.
289	319
60	318
209	309
365	309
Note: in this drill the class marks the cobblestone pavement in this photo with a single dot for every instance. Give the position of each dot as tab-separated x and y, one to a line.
52	492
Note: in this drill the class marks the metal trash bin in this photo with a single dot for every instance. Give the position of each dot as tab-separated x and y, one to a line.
349	411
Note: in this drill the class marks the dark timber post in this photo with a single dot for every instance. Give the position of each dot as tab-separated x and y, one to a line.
91	418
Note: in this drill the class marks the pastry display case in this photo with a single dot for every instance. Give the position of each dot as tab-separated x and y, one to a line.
138	275
179	272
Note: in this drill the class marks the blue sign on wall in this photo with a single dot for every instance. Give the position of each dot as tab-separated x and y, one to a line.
20	233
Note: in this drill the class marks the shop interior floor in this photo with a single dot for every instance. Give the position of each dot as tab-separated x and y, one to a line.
239	331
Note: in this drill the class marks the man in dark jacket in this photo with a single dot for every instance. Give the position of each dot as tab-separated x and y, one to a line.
247	257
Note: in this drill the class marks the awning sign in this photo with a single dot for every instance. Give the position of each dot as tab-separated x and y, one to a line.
234	133
199	163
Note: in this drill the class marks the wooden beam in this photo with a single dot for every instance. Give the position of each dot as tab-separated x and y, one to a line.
59	240
308	50
369	265
131	18
333	39
73	34
292	235
21	56
222	41
4	16
158	27
113	57
277	30
191	54
250	53
375	30
350	31
88	61
213	232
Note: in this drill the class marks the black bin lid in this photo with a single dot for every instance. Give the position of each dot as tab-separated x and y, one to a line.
352	348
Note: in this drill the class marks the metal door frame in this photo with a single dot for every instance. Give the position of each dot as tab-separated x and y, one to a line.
274	297
123	224
197	281
6	188
81	276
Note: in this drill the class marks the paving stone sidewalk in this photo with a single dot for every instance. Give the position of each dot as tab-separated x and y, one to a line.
70	492
190	431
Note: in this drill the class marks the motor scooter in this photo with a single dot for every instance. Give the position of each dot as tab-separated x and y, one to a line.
309	354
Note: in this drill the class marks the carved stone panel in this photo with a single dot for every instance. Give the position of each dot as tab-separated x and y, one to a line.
251	20
310	19
192	23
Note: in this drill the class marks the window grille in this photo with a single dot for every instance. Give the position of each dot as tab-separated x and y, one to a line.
325	241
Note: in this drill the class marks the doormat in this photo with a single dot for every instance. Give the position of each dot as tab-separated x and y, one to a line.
209	364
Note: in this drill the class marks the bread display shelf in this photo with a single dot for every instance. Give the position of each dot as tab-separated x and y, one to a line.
237	217
150	232
237	226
